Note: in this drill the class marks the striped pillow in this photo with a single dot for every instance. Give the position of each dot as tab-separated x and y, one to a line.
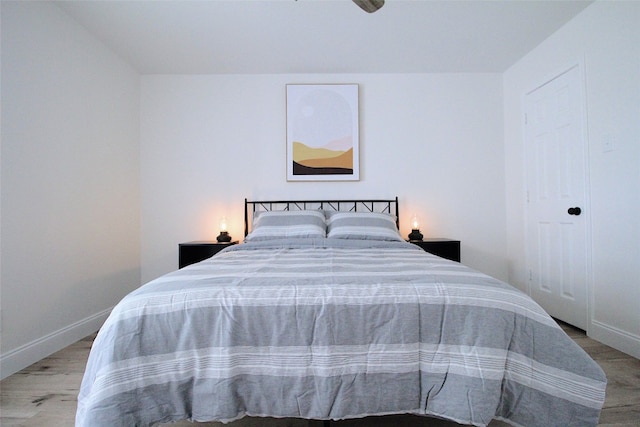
363	226
285	224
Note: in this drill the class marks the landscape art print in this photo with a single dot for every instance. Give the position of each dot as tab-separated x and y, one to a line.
322	132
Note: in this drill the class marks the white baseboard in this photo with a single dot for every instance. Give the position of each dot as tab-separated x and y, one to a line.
28	354
616	338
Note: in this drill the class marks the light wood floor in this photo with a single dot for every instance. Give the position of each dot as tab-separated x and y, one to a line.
44	394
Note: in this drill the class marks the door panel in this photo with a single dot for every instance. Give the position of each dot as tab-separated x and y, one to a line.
556	180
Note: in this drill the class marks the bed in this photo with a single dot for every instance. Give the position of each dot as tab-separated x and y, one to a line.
326	313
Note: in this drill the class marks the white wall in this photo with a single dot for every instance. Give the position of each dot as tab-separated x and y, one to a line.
70	182
207	142
605	38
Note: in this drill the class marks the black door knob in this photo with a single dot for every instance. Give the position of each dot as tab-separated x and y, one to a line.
574	211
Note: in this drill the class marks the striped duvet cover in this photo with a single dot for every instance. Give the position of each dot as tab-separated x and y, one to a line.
334	329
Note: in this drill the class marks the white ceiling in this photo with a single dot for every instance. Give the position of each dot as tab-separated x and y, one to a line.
321	36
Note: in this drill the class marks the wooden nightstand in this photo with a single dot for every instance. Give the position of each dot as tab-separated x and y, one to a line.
192	252
445	248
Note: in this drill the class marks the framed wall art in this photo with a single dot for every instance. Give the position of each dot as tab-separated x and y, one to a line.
322	132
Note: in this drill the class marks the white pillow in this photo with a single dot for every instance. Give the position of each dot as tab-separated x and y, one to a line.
285	224
363	226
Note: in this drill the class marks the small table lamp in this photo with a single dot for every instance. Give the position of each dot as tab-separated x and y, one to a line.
223	237
415	234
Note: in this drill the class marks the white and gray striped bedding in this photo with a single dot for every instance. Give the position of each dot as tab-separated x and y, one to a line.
334	329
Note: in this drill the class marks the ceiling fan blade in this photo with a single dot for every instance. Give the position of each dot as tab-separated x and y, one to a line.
369	5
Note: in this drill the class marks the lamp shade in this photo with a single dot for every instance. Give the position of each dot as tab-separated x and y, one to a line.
415	222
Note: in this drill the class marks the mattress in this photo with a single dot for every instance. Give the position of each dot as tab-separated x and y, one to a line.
331	329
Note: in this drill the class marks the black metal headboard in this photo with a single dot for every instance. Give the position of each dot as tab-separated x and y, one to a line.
389	206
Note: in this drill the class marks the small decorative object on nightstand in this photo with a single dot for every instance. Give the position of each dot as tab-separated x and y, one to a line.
445	248
415	235
223	237
192	252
